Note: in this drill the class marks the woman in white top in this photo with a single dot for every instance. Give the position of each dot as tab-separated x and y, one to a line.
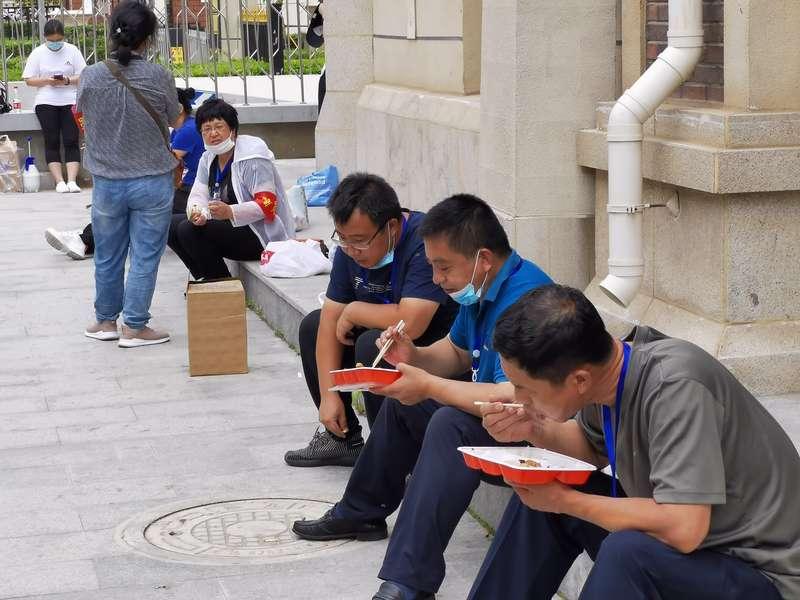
55	68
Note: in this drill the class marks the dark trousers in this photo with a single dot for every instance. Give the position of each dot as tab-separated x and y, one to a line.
321	87
179	199
364	351
59	125
423	440
202	249
532	551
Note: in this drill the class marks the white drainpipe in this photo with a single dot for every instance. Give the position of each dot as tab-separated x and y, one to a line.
672	67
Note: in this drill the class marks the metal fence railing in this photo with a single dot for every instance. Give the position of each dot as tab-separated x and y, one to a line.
195	38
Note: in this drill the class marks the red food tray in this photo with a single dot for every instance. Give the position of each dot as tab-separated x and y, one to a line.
505	462
362	378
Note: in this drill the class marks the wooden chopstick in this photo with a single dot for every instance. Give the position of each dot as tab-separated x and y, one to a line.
508	404
398	328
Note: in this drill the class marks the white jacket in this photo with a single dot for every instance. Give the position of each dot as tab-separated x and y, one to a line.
252	171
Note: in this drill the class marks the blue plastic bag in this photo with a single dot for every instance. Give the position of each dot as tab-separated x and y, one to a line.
319	185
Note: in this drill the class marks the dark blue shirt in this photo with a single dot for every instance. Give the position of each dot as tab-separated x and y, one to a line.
409	276
474	326
188	139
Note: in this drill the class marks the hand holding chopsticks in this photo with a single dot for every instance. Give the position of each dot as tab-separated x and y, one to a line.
398	329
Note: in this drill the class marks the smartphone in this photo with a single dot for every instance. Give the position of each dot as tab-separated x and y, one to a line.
58	76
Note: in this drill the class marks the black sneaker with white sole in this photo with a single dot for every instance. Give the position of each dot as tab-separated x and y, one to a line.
326	449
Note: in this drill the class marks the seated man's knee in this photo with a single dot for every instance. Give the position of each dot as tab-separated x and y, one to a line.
448	420
624	550
366	350
308	327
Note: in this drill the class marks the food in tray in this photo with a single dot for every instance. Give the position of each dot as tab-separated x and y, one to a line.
529	462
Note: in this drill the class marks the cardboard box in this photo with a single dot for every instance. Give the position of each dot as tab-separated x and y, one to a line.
217	327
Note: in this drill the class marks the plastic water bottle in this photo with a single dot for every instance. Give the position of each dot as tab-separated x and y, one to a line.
16	103
30	174
31	179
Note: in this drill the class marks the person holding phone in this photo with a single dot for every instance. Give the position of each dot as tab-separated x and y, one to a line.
55	67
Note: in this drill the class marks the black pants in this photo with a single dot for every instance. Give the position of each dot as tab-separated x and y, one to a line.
58	124
202	249
321	86
364	351
532	551
422	440
179	200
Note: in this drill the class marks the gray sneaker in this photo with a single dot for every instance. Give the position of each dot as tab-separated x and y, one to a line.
326	449
133	338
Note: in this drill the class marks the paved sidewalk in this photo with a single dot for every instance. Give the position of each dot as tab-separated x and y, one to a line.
91	434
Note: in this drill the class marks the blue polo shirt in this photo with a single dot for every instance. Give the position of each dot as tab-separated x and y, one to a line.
188	139
408	276
474	326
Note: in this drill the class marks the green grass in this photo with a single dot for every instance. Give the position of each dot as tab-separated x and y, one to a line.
482	522
236	67
278	333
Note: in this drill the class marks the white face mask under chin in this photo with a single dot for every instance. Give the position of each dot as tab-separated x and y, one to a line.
221	148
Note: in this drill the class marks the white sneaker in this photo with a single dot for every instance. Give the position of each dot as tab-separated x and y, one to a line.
73	187
68	242
62	188
103	331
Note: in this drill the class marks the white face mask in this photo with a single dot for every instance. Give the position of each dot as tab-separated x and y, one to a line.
221	148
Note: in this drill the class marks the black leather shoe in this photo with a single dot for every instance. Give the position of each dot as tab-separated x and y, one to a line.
329	527
389	591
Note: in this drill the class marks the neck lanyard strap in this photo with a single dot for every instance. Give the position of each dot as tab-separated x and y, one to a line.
610	434
392	273
477	337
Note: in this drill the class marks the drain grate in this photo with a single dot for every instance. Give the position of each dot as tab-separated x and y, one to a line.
232	532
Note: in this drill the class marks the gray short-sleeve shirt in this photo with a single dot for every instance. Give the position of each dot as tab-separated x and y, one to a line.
690	433
122	140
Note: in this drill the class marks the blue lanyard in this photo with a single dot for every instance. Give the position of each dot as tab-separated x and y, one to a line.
392	275
609	434
220	177
477	334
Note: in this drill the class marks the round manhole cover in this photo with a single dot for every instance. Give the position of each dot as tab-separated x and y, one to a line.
250	531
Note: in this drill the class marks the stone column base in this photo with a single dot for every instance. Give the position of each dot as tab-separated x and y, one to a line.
764	356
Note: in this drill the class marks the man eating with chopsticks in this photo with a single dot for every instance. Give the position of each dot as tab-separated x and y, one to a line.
379	276
710	480
430	411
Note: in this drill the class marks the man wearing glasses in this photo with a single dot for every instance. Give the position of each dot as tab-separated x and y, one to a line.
380	275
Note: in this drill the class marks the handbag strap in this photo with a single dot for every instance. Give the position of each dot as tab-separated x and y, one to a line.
117	73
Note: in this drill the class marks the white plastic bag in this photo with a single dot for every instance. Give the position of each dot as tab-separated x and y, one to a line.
297	204
292	258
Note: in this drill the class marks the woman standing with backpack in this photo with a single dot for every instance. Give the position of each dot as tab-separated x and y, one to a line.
128	103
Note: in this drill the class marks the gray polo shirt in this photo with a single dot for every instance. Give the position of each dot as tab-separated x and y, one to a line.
690	433
122	140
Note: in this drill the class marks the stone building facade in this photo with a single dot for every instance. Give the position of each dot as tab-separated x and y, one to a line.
509	99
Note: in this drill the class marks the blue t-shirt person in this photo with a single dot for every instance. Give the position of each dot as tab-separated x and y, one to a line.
473	328
408	276
187	139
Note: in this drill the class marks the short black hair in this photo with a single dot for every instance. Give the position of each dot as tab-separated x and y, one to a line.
185	97
368	193
468	224
551	331
132	23
53	27
215	108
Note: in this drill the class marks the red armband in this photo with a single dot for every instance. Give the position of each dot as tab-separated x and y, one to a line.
268	203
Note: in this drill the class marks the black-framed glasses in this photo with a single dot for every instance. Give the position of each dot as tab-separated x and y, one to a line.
356	246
